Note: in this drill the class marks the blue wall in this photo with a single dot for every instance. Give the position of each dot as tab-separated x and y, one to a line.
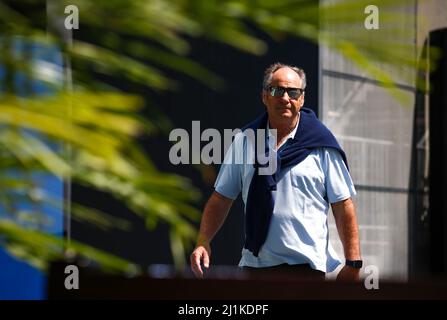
19	280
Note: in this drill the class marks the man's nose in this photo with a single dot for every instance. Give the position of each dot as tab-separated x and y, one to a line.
285	96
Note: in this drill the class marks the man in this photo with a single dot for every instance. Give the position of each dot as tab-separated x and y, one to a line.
286	211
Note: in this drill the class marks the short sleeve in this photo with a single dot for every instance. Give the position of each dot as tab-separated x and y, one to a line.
339	185
229	180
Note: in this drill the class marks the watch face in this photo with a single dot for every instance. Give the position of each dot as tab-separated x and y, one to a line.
354	263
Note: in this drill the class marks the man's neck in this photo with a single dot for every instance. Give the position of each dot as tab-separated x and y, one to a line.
283	129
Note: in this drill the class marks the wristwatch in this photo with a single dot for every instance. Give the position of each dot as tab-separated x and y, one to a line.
357	264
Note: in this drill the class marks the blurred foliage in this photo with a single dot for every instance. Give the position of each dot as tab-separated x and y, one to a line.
87	131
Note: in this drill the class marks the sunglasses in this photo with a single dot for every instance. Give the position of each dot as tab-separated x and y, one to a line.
278	92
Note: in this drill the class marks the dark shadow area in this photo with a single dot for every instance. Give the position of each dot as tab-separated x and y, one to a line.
226	283
428	202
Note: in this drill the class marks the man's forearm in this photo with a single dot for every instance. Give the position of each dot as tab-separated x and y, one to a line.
214	215
346	222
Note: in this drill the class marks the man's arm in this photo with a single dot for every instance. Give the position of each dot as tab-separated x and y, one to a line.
346	222
214	215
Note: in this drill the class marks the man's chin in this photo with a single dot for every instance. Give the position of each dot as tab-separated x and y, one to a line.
286	114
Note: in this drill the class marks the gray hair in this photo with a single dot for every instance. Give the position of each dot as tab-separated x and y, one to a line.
268	74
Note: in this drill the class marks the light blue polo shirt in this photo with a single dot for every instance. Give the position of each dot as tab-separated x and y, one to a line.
298	231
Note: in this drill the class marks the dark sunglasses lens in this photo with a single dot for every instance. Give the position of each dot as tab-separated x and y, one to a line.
277	92
294	93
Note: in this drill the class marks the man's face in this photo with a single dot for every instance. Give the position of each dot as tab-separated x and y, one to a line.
283	109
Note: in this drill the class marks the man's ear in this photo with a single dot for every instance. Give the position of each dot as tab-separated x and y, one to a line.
302	99
264	97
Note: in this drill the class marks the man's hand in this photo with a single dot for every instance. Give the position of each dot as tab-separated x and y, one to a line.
348	273
214	214
200	254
